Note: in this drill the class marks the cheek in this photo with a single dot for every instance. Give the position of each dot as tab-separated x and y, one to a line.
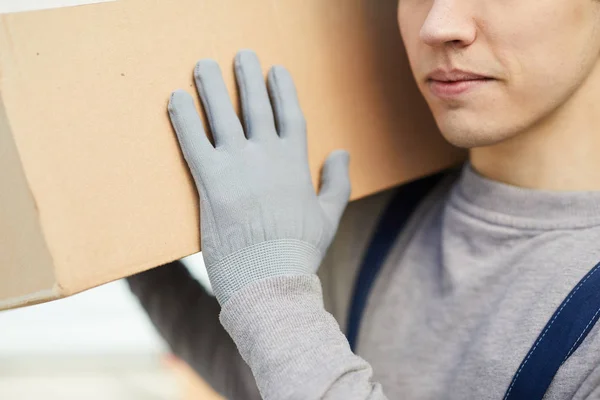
547	57
411	16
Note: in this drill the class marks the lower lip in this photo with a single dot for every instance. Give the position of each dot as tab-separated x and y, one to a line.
453	89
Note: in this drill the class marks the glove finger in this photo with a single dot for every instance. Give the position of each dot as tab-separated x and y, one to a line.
256	106
288	114
194	144
335	188
224	123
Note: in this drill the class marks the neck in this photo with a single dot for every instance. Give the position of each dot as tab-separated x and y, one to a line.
562	152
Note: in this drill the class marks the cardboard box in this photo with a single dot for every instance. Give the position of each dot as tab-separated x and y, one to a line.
93	186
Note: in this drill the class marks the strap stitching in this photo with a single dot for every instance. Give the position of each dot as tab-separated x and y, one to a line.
547	328
580	336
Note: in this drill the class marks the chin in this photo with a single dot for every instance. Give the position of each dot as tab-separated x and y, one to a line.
470	134
468	140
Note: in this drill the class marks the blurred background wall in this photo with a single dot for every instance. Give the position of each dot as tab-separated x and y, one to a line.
94	345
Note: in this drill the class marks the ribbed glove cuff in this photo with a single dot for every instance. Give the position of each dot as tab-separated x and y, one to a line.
261	261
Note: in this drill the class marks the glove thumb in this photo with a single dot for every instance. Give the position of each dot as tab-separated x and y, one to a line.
335	185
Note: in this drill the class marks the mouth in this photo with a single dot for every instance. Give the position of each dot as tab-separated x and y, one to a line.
451	89
452	83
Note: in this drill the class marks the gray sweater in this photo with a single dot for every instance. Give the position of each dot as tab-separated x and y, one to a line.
464	293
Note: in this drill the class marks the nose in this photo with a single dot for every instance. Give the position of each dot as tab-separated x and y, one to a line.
449	23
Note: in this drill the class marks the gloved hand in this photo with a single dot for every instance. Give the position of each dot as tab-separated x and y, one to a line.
260	216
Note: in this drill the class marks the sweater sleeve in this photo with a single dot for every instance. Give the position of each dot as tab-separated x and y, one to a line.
293	345
187	317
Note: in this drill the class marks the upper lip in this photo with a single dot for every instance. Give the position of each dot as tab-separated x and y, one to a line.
453	75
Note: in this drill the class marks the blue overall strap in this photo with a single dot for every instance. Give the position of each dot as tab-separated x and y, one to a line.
404	201
562	335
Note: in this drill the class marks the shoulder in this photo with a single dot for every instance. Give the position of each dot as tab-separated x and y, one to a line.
341	264
342	261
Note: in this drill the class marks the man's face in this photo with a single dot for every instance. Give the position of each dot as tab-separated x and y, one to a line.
521	61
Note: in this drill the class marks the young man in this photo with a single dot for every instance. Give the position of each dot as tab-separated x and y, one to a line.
479	270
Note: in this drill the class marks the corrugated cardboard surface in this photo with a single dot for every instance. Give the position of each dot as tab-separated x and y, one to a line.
85	92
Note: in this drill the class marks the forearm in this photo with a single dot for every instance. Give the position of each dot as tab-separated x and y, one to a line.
294	347
187	318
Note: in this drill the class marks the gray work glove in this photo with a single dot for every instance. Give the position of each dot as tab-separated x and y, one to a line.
260	216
